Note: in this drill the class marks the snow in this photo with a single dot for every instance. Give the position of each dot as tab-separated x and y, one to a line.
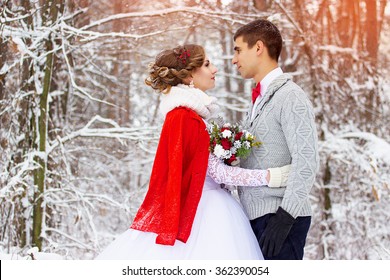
32	254
375	146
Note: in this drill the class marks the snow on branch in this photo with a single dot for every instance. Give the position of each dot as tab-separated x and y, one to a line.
4	19
332	49
134	134
376	146
290	18
41	33
92	35
75	240
160	13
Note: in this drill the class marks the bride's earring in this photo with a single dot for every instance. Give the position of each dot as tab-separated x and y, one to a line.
192	83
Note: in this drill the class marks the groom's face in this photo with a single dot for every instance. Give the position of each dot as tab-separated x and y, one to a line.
245	58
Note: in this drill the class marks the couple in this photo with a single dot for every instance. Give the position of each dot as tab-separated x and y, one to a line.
186	214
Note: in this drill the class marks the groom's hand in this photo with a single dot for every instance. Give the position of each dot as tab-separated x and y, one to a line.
278	176
276	232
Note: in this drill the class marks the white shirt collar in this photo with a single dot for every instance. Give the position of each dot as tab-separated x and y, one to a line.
265	82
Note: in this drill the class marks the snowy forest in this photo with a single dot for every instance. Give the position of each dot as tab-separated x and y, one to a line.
79	128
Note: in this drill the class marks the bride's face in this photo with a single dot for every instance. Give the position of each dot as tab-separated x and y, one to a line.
204	76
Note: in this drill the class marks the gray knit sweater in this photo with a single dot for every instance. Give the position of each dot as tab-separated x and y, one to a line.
284	123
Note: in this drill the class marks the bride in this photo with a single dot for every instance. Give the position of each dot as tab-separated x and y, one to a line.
186	214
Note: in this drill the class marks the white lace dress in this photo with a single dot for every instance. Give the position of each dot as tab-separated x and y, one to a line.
221	229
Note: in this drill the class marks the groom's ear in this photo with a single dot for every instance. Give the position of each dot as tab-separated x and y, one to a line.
259	47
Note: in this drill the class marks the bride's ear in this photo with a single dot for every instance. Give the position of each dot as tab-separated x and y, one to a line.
189	81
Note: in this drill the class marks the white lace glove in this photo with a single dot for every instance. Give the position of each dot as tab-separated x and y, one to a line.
279	176
225	174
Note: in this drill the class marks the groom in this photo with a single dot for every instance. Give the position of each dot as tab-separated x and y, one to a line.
282	118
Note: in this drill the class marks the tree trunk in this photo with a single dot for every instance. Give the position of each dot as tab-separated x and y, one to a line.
372	40
372	43
41	131
261	5
3	55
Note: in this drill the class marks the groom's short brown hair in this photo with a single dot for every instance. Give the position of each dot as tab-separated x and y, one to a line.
264	31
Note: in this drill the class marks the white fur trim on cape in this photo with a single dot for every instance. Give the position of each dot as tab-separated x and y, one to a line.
193	98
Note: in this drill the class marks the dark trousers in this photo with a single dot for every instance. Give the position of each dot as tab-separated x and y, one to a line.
295	242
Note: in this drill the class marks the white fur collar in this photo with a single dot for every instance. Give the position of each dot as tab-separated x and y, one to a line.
193	98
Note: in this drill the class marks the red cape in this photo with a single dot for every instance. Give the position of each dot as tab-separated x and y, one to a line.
177	178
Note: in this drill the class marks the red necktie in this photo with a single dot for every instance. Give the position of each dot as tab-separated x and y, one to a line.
256	92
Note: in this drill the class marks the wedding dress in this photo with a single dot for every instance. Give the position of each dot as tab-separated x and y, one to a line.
221	229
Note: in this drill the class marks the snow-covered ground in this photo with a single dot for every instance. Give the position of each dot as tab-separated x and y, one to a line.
32	254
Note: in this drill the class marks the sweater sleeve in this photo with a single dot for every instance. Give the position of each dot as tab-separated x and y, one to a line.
298	125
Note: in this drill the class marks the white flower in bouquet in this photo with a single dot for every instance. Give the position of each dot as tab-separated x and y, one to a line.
226	134
219	152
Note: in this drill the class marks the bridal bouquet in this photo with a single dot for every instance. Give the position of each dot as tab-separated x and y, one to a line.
230	142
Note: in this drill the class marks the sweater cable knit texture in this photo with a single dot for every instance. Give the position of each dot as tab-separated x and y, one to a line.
284	123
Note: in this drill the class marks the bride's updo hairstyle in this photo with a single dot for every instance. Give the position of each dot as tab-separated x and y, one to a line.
172	66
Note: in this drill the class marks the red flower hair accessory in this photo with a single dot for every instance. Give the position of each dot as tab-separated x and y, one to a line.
185	54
